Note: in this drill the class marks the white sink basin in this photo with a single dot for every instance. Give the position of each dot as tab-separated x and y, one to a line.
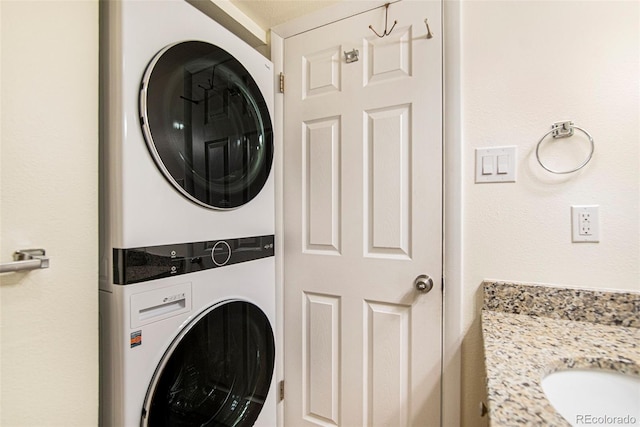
594	397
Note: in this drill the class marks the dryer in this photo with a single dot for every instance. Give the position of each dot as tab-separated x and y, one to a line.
187	272
187	113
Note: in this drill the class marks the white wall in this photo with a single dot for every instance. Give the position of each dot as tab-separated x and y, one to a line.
49	184
525	65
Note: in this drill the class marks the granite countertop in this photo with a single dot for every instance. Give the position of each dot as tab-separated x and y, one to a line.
530	331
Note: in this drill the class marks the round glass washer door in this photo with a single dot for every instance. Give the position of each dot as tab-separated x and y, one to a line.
206	124
217	372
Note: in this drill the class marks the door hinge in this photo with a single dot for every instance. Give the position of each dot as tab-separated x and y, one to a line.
442	284
281	386
281	82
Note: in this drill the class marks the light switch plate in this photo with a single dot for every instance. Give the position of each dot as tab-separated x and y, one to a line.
504	161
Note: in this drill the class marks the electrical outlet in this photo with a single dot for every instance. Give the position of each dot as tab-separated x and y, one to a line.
585	224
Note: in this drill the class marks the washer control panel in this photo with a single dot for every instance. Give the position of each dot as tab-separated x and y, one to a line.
135	265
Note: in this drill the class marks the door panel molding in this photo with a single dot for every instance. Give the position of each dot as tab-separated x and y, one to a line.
321	347
322	185
387	190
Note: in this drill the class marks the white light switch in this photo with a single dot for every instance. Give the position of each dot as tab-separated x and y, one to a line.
496	164
487	165
503	164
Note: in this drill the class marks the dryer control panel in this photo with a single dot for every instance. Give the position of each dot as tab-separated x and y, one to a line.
137	265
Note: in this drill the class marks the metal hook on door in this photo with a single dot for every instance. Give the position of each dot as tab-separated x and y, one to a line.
386	21
429	33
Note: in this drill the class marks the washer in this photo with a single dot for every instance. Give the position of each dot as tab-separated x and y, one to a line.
195	347
187	220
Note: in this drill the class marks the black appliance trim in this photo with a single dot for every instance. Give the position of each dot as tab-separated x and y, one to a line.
135	265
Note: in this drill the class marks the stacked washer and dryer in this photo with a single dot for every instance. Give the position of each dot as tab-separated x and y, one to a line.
187	283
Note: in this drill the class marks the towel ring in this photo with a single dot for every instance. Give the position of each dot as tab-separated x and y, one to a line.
565	130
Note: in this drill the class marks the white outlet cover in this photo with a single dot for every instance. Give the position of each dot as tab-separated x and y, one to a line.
578	215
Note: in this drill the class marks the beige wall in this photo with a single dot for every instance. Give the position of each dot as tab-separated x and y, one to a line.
525	65
49	184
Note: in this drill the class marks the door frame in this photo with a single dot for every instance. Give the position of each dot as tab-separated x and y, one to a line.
452	310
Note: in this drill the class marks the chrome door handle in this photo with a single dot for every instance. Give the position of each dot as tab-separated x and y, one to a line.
423	283
26	259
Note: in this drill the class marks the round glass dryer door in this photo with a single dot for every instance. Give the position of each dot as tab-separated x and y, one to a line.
216	373
206	124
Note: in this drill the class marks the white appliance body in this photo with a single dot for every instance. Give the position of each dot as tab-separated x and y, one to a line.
141	208
203	257
138	329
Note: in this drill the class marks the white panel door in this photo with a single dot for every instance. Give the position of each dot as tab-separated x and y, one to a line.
362	215
49	199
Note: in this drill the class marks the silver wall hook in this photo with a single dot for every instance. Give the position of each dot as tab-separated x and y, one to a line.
386	21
